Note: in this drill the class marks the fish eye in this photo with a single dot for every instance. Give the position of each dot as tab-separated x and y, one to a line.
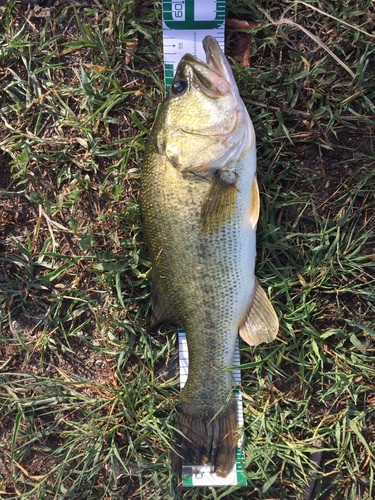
179	87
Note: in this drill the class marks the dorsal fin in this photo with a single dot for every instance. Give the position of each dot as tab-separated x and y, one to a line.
255	204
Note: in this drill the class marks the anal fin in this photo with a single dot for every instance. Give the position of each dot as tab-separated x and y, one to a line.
261	323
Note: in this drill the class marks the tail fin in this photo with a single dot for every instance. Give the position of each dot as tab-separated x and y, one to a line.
205	439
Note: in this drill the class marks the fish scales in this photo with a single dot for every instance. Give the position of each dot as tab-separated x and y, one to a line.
206	286
200	204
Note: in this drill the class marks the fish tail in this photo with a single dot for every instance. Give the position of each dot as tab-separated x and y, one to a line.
205	437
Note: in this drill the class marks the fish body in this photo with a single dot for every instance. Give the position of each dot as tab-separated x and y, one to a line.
200	205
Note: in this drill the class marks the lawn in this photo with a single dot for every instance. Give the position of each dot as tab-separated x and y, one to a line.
87	392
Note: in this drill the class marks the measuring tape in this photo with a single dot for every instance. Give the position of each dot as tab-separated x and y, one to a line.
185	24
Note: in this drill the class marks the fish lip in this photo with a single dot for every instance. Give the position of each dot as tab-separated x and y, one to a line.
206	77
217	61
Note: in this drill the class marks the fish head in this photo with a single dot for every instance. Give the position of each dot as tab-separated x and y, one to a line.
203	124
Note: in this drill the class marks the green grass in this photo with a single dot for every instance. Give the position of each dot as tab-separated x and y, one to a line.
87	393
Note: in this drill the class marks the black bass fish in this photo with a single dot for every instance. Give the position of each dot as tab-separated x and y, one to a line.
200	206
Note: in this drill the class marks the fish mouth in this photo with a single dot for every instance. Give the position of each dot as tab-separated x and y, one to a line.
216	60
214	77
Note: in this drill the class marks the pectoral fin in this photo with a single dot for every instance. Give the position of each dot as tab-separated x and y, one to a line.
160	309
220	203
261	323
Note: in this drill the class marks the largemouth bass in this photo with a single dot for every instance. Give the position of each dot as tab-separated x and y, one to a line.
200	206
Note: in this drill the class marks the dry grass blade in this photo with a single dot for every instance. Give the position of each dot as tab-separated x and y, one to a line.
289	22
341	21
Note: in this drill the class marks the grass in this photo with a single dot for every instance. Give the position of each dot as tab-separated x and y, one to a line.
87	393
